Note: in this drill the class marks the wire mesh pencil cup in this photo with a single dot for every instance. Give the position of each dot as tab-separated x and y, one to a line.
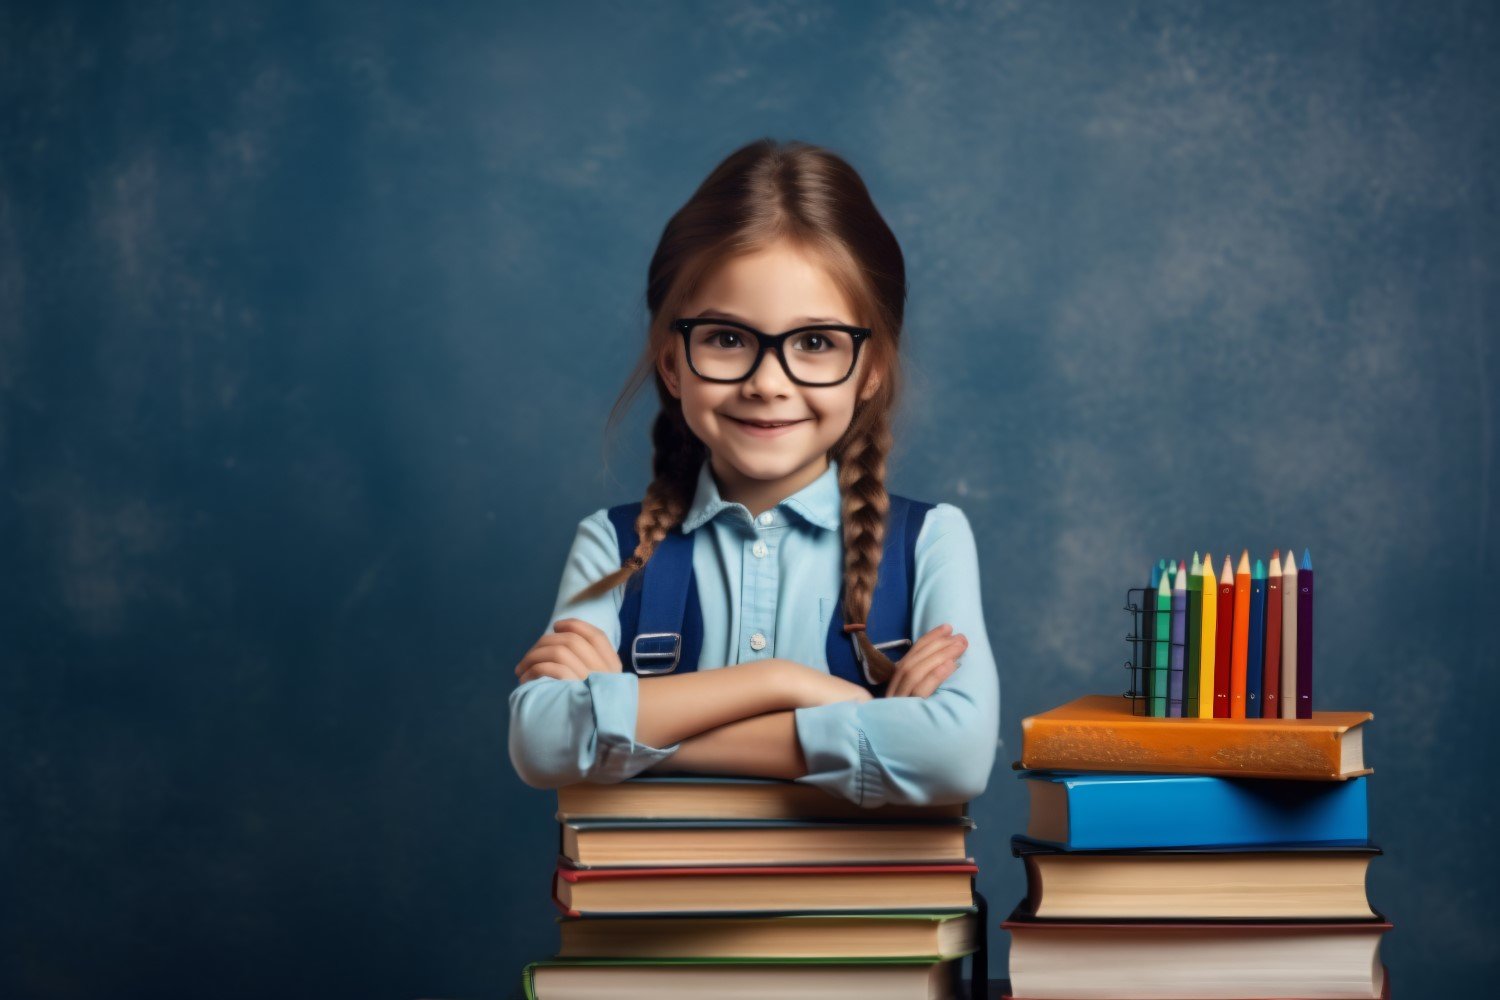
1157	687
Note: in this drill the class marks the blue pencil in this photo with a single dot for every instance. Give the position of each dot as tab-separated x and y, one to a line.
1179	642
1256	648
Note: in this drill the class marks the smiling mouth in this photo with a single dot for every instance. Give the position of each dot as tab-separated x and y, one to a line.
765	423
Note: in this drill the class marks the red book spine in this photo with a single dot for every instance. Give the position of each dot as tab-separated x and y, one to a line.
1224	656
1270	683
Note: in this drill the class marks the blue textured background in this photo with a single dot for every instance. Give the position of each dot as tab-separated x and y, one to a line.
310	317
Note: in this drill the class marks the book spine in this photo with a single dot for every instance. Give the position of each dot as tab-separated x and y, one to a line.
1170	746
1196	811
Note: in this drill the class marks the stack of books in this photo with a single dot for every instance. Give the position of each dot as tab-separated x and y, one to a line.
1190	857
695	886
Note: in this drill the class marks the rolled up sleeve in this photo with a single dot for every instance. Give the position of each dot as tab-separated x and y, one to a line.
563	732
919	751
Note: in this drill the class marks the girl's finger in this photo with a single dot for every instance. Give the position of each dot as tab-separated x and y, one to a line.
934	668
919	661
558	671
558	650
597	640
934	679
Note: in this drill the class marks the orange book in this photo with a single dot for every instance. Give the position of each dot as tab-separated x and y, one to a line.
1100	733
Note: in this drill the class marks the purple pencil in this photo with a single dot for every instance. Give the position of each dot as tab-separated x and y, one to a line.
1305	637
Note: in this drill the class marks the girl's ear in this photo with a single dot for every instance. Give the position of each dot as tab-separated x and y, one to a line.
666	367
871	386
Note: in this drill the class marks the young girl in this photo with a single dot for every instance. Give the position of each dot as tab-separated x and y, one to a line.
766	536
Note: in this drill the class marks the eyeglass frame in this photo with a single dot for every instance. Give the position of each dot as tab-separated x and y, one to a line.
765	342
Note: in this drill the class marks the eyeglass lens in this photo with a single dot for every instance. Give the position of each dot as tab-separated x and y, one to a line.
813	355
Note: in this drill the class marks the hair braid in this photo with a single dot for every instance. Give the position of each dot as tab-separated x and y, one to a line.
865	503
677	454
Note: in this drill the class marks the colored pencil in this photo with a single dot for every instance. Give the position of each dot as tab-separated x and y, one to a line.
1179	641
1224	634
1162	660
1241	637
1270	702
1305	637
1193	656
1255	650
1141	683
1289	636
1210	586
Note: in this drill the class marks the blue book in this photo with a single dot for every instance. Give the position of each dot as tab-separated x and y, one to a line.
1088	812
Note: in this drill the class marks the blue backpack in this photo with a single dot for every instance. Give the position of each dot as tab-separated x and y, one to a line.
661	621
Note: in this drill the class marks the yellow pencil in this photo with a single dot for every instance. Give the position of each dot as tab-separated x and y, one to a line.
1210	616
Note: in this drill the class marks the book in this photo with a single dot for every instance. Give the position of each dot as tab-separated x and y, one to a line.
1156	959
723	797
740	979
1385	991
1181	883
932	937
763	889
1096	811
666	843
1099	733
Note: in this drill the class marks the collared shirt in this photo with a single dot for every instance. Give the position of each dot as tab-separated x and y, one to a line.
768	586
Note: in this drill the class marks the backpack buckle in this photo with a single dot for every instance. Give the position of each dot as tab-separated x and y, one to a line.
661	652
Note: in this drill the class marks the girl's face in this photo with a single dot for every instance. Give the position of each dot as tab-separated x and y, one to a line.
775	289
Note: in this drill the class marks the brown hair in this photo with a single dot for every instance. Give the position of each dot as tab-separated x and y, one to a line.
760	194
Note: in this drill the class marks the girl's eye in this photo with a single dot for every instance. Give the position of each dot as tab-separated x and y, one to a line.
812	343
724	338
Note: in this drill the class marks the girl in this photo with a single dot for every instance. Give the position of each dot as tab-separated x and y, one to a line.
776	297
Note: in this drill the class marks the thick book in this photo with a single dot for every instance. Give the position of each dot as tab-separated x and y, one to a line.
665	843
1098	811
658	979
1194	883
724	797
620	892
1100	733
1193	960
929	937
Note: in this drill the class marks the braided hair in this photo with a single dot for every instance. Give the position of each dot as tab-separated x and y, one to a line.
764	192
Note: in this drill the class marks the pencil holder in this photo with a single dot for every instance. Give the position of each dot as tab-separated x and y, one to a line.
1156	691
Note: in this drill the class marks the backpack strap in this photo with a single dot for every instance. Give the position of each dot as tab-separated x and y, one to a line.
890	621
661	622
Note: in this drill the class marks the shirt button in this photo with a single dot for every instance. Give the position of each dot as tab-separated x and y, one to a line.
757	641
767	518
760	550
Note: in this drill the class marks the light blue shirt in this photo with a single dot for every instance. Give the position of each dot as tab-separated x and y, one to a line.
767	587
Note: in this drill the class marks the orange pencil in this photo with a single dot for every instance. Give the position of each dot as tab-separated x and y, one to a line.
1224	636
1241	650
1270	684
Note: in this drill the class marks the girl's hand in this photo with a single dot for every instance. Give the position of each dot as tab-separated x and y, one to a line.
810	686
930	661
570	652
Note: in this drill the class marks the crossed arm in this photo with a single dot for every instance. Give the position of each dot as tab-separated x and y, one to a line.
739	719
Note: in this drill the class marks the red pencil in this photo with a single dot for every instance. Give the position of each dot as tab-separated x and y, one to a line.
1270	684
1224	639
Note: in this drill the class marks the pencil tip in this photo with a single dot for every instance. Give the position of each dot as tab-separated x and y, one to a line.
1244	566
1306	559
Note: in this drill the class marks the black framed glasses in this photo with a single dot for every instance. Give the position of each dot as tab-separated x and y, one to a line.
723	350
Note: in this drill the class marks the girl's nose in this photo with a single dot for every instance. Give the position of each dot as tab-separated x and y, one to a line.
769	378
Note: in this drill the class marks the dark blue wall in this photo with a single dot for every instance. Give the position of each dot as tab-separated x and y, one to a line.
311	315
